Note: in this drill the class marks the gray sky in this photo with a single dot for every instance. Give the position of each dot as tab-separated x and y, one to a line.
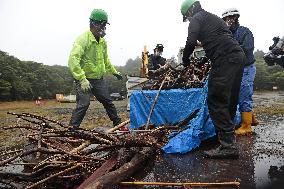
44	30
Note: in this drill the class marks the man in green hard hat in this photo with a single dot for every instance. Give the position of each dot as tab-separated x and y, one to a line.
88	63
225	76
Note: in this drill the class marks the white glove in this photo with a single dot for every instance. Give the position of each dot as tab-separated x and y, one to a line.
164	67
152	71
179	67
85	85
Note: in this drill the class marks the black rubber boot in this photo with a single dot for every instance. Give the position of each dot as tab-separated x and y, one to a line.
226	150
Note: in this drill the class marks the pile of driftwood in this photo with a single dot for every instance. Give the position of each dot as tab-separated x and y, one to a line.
192	76
59	157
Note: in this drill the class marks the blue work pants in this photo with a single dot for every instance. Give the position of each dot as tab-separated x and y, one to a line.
246	90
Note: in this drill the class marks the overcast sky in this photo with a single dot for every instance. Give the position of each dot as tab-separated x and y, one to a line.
44	30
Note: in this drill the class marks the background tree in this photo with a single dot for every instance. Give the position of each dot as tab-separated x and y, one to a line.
28	80
258	54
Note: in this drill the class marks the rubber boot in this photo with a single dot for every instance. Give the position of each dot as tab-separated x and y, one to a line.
227	148
245	125
254	121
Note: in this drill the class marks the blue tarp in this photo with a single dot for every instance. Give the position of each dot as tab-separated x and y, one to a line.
171	107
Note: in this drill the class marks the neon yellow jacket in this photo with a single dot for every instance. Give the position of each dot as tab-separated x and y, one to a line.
89	59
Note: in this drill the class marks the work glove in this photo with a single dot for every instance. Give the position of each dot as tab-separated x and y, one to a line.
152	71
179	67
164	67
118	75
85	85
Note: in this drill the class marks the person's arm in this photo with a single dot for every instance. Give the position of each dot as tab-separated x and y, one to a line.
151	62
75	57
191	42
247	42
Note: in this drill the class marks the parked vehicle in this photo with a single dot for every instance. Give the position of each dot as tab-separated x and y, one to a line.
65	98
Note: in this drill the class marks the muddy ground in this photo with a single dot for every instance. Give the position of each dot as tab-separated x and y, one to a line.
261	159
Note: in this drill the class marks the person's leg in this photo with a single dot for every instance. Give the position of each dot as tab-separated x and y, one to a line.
246	101
223	75
235	92
101	93
82	105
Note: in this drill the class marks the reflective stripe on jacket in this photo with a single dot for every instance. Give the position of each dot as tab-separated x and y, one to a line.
89	58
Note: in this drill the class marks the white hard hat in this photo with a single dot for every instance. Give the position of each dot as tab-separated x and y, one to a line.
230	12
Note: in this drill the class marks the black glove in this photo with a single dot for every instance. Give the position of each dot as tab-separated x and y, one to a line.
118	76
185	61
201	61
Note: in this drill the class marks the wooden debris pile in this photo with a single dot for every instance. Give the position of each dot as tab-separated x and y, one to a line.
59	157
192	76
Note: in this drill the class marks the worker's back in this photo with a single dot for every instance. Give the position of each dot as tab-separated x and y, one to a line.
213	33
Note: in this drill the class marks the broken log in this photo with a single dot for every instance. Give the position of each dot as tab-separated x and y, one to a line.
105	168
123	172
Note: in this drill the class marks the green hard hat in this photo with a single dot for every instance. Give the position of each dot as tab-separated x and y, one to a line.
99	15
186	5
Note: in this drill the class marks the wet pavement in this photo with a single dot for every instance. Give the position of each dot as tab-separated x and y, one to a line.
261	161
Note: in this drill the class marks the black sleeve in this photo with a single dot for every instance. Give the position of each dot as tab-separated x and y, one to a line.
151	63
162	61
193	32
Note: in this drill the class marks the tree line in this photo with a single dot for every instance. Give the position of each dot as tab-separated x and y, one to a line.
28	80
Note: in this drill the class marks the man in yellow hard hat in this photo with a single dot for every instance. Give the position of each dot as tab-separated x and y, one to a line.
225	77
88	63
